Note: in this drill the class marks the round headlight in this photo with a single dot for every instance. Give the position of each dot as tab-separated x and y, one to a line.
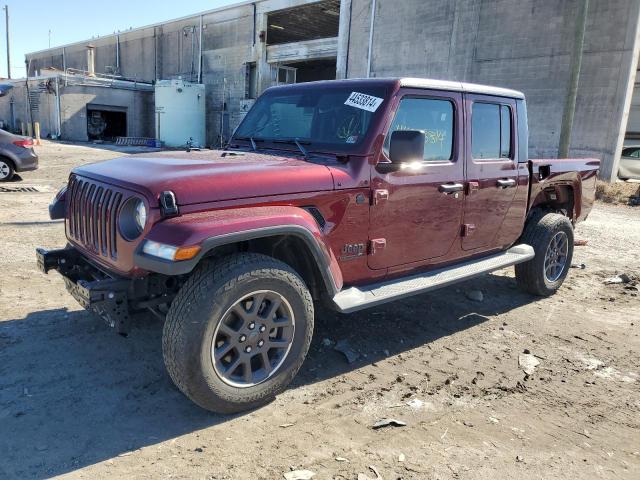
141	215
133	218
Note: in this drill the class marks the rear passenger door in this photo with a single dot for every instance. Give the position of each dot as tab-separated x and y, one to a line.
492	170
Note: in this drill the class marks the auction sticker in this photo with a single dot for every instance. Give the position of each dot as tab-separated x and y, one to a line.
364	101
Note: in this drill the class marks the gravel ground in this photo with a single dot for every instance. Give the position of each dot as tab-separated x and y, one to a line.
79	401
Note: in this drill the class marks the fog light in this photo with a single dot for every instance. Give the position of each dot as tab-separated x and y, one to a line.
169	252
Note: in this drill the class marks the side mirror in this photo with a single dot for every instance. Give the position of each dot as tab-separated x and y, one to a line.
406	146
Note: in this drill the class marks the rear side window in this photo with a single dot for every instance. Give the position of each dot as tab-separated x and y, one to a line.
431	116
491	129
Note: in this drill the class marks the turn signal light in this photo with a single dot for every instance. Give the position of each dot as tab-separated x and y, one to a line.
169	252
186	253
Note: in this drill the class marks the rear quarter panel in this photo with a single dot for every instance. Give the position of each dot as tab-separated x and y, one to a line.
579	174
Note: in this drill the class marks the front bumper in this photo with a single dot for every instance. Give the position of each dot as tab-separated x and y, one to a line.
118	300
92	288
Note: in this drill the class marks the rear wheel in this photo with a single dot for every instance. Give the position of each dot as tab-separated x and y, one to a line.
6	170
238	332
551	236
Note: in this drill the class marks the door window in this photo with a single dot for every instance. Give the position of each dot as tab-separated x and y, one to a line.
434	118
490	131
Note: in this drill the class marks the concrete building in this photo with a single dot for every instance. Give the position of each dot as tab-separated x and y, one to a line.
79	107
240	50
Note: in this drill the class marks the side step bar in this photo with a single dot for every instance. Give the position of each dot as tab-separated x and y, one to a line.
354	298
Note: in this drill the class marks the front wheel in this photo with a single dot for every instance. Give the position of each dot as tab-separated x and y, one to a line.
551	236
238	332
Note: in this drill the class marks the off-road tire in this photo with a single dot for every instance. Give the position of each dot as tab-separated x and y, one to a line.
6	164
538	232
199	307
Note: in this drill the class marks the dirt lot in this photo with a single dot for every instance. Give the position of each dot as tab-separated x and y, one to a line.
79	401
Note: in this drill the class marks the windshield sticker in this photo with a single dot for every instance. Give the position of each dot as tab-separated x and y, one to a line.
352	139
364	101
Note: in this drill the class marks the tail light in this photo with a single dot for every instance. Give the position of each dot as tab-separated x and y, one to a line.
26	143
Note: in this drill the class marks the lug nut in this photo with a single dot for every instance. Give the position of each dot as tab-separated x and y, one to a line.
252	326
248	349
262	328
261	343
243	338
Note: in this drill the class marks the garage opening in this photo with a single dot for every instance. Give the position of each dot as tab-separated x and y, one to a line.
307	22
105	122
313	70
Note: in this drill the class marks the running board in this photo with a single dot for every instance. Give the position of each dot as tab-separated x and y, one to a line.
354	298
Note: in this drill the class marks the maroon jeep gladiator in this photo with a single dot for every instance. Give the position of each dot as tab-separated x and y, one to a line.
356	192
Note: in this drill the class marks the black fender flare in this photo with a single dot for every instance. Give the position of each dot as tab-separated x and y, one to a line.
321	256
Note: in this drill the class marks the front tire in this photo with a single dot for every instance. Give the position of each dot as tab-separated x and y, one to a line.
551	236
238	332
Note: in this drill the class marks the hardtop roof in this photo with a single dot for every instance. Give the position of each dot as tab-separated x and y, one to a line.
423	83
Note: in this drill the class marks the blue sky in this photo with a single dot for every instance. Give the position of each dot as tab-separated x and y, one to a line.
77	20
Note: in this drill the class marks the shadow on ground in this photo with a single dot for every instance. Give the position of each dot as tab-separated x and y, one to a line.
73	393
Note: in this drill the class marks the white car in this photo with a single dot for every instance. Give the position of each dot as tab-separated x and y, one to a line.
630	163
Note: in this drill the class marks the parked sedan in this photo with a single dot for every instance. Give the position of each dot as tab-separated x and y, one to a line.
16	155
630	163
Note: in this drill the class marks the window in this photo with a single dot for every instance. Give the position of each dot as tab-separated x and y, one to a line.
490	131
282	75
631	152
434	118
250	80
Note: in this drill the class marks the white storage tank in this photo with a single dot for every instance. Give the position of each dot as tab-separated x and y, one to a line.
180	113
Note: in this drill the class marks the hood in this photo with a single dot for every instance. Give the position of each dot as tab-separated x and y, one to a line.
207	176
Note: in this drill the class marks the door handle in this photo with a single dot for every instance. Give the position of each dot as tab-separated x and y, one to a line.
506	183
449	188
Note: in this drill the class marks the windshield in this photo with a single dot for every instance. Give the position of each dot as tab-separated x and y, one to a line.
325	118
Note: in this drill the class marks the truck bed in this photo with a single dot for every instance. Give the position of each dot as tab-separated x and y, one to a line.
571	180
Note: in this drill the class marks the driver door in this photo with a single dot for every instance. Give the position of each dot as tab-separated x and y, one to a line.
416	212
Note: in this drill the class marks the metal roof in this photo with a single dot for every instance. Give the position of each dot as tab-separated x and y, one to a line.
460	87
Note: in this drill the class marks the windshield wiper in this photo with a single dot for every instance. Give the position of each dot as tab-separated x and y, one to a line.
298	144
253	142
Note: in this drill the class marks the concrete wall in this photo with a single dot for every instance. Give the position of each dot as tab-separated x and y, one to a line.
633	124
520	44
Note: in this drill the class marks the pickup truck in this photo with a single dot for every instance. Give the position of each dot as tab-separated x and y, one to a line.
352	192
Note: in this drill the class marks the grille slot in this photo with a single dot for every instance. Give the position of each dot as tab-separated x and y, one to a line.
92	214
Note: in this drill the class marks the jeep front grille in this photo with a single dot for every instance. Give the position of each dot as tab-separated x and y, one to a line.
92	215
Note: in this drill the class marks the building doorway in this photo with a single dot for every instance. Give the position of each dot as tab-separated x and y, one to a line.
105	122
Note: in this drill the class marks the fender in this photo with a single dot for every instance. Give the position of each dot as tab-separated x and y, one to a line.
213	229
577	174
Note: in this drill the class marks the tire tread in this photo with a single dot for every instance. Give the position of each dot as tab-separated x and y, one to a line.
529	275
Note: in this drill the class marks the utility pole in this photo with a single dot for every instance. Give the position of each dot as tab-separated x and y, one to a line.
572	93
6	16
